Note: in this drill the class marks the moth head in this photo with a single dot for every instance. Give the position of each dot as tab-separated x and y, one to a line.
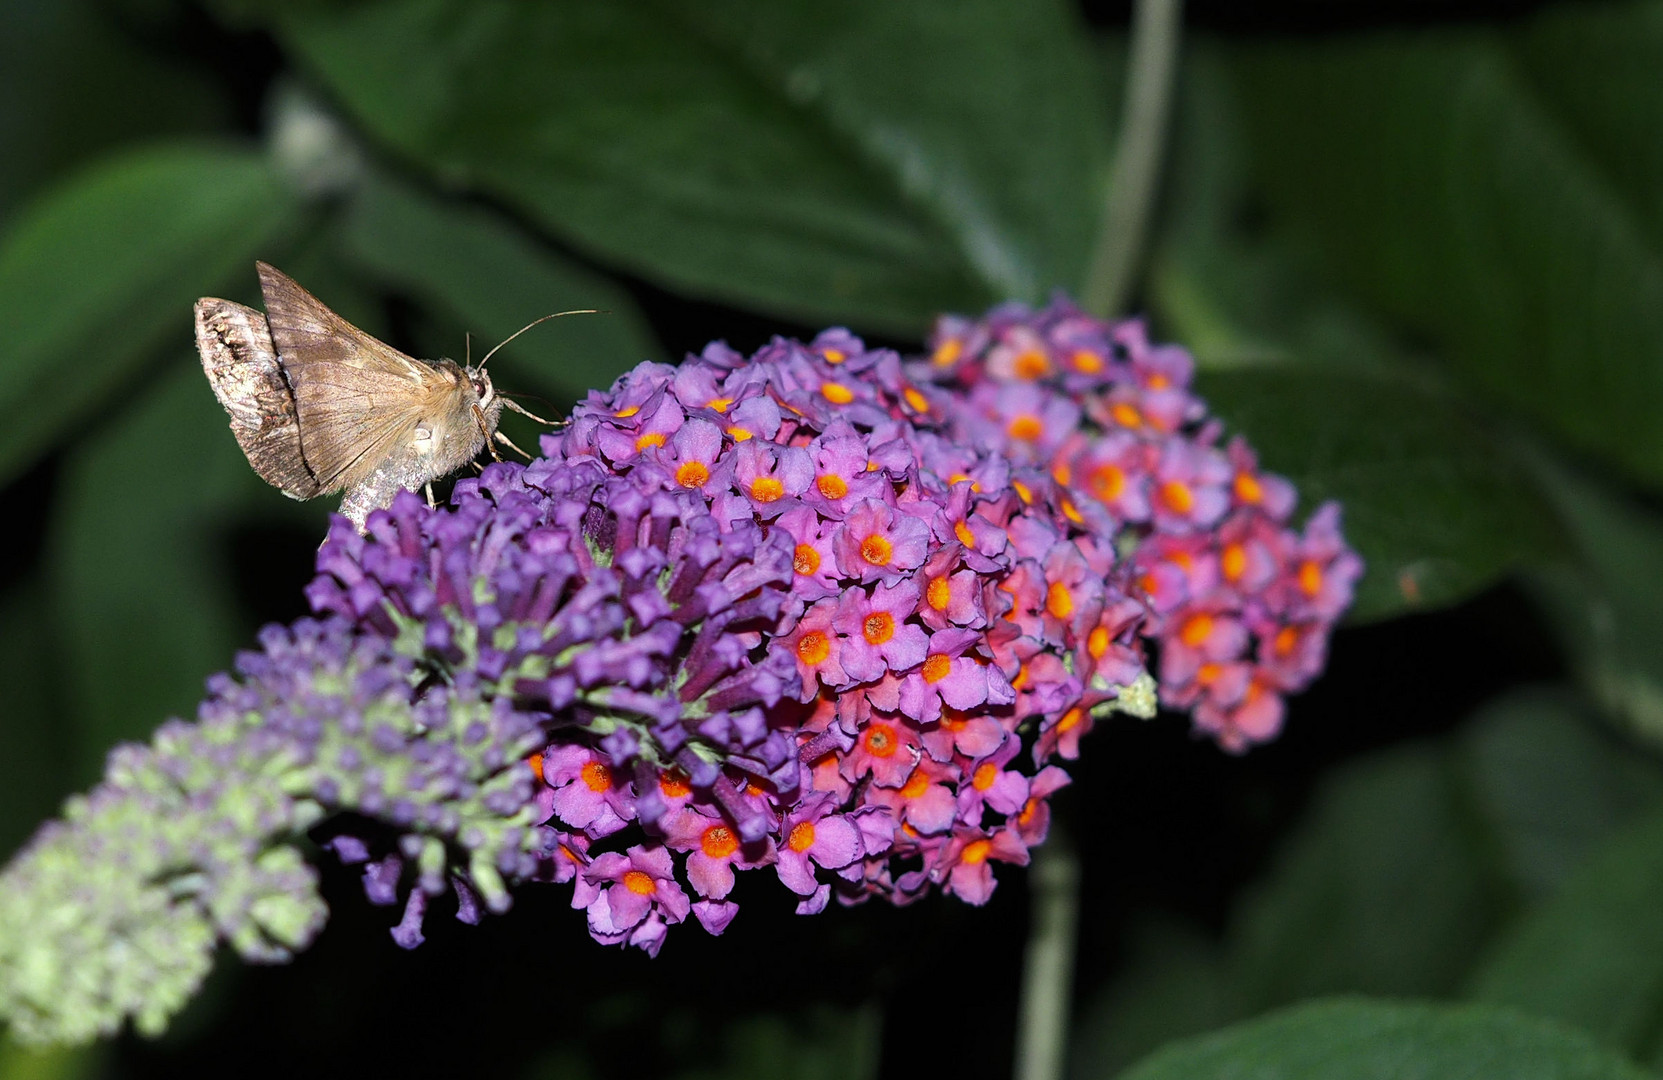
482	388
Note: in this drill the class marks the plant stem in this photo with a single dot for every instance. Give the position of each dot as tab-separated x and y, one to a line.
1048	973
1157	29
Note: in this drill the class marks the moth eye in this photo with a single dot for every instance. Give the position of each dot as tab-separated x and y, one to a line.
423	433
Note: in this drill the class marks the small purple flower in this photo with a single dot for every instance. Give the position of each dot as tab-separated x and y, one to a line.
877	634
588	794
877	541
952	676
630	897
812	835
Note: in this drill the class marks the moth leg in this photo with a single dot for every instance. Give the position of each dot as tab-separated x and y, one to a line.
431	505
511	404
485	430
506	441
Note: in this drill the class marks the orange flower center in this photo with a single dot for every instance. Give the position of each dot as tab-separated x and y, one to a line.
1070	719
984	776
976	851
918	402
939	593
719	842
596	777
1097	642
880	741
1196	630
1234	561
719	404
1086	362
766	489
837	393
801	838
1126	415
1030	364
692	474
639	883
1058	601
833	356
1310	577
832	486
649	438
937	667
536	763
878	628
813	648
877	550
674	784
805	560
1106	482
947	352
1286	639
1248	488
1025	427
916	785
1177	496
965	536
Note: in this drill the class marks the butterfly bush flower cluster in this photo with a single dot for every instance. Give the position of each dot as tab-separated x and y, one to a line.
822	613
1239	605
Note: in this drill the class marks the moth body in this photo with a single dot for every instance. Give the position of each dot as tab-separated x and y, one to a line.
318	406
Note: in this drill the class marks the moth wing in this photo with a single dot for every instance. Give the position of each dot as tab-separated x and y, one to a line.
242	367
358	400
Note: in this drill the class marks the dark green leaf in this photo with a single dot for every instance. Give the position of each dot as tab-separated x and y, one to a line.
481	270
1552	783
33	724
107	266
142	560
1609	606
1382	890
1172	985
1368	1040
70	68
1593	955
1443	180
867	161
1432	502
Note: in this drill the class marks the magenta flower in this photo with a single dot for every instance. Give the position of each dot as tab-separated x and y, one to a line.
841	474
877	541
952	676
926	801
813	835
992	785
878	637
965	861
588	794
817	649
1189	487
771	476
631	897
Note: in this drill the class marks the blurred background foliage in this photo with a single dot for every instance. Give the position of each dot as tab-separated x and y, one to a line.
1416	247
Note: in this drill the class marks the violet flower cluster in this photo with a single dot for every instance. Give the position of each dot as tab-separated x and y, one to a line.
822	612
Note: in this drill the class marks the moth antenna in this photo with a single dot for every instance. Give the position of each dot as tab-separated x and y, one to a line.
467	348
528	326
515	406
431	505
506	441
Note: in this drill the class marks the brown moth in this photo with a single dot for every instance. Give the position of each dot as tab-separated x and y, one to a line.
319	406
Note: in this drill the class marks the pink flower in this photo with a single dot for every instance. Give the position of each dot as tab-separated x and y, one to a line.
878	636
631	897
